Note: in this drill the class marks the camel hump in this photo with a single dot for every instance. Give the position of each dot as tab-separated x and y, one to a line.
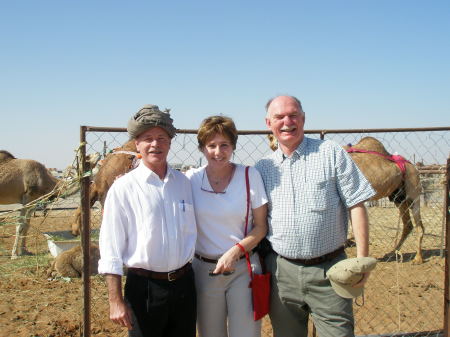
5	155
371	144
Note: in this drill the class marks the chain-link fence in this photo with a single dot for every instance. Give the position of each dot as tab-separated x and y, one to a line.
401	296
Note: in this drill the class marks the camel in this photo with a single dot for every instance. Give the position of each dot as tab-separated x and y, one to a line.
70	262
71	171
71	174
387	179
116	163
25	181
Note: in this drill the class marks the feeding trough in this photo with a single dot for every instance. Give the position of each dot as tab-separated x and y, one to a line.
61	241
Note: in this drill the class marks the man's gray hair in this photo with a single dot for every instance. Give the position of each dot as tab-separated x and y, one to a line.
293	97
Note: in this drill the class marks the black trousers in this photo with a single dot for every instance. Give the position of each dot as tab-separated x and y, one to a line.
162	308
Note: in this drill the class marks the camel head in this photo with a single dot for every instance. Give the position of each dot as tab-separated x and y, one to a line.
93	159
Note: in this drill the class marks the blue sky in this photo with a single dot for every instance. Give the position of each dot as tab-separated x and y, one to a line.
354	64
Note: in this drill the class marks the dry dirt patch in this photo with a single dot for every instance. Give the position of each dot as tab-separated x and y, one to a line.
400	296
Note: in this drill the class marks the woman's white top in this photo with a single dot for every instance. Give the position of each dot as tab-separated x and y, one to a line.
221	216
147	222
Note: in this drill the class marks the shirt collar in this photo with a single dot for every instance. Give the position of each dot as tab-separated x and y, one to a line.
301	149
145	173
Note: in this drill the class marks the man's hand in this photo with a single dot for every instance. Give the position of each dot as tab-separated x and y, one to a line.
119	312
363	281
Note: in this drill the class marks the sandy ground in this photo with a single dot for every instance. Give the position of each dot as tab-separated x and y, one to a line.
400	296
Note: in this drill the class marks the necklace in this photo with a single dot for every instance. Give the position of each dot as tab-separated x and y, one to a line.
217	181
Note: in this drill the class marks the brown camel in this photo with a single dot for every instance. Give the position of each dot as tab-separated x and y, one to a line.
388	181
116	163
70	262
23	181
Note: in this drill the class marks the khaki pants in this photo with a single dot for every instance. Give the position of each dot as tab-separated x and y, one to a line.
224	303
299	290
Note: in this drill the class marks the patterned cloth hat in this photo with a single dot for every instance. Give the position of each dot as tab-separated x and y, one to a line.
346	273
150	116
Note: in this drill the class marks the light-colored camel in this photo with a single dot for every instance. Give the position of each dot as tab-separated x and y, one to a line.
403	188
116	163
70	262
23	181
92	160
70	174
388	181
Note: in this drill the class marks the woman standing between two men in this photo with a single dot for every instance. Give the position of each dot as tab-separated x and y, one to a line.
224	299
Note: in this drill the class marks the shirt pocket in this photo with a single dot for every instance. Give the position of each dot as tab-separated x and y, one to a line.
186	217
316	193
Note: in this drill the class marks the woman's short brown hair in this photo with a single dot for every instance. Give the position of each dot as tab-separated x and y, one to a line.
217	125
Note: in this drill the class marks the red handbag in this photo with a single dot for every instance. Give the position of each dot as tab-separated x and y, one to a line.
259	283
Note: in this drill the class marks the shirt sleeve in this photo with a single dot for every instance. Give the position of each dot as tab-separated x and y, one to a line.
353	186
258	195
112	234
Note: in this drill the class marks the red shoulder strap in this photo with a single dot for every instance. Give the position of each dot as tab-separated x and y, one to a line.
247	185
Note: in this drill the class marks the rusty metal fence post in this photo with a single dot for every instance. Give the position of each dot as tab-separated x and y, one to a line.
447	245
85	235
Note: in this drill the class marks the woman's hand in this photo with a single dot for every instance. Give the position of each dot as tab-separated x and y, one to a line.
227	261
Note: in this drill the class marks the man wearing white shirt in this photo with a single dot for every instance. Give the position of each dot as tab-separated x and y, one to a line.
149	227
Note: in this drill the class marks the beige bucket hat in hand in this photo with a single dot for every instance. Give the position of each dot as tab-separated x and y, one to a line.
346	273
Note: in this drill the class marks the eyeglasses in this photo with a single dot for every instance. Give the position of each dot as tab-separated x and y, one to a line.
209	190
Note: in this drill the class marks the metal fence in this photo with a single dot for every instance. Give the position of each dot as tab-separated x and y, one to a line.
401	298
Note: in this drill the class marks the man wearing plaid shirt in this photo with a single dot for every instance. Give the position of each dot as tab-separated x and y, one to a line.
313	188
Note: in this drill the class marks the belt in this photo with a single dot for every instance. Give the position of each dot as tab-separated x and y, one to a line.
205	259
169	276
317	260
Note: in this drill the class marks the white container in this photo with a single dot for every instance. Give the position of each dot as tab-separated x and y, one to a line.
57	247
61	241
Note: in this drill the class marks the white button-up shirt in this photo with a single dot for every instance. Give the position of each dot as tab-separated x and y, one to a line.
147	223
